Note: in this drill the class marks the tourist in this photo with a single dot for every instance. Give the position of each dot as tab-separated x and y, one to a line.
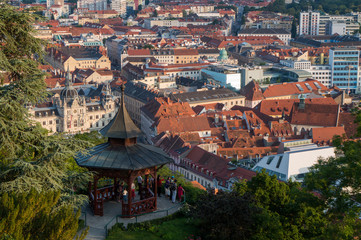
125	195
140	182
151	183
173	189
159	185
121	189
171	193
117	191
180	192
133	191
166	187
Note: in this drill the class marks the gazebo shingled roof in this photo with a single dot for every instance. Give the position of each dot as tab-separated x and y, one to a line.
133	157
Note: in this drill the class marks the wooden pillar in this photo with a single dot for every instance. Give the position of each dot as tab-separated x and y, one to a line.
95	188
146	181
129	182
155	187
95	206
114	189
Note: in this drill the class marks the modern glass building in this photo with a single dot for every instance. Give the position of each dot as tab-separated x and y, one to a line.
344	64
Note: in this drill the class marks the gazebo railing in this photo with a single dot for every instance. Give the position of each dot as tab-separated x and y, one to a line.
102	194
140	207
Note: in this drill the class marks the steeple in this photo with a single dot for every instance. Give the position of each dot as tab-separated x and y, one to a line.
68	80
68	92
121	129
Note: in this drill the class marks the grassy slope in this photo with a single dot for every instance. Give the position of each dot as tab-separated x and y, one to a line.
176	229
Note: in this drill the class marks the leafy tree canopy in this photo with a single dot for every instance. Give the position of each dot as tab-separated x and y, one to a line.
29	158
31	216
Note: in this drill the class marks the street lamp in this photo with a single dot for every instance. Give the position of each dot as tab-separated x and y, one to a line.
349	67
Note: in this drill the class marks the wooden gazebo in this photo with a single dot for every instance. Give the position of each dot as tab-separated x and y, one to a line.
122	158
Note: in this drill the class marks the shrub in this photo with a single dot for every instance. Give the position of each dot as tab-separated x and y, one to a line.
192	194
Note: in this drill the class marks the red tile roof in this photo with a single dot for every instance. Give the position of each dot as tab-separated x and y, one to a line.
347	120
275	107
325	135
216	164
315	114
138	52
252	91
185	51
165	107
292	88
183	124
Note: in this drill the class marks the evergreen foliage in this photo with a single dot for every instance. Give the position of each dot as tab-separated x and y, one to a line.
29	158
31	216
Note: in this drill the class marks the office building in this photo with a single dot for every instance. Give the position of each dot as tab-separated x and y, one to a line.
344	64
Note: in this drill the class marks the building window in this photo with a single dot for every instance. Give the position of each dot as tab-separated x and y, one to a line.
110	115
44	123
97	116
57	121
91	117
75	123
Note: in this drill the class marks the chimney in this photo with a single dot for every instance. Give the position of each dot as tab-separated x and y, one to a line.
301	105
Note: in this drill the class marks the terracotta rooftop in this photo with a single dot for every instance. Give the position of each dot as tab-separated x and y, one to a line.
292	88
165	107
275	107
218	165
183	124
315	114
325	135
252	91
347	120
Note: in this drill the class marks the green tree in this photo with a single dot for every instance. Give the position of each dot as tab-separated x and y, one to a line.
155	13
338	180
184	12
31	216
29	158
294	28
226	215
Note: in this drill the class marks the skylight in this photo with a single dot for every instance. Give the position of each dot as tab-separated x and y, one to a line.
308	86
299	87
269	160
279	161
317	85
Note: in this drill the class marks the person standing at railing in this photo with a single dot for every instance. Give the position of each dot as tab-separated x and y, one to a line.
133	191
170	190
180	192
140	183
125	195
117	191
159	185
173	189
166	187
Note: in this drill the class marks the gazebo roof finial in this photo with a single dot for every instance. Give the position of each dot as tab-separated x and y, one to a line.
121	126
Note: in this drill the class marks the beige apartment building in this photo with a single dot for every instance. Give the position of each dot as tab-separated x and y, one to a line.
95	62
77	57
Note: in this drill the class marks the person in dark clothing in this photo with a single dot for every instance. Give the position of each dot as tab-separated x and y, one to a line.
159	185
